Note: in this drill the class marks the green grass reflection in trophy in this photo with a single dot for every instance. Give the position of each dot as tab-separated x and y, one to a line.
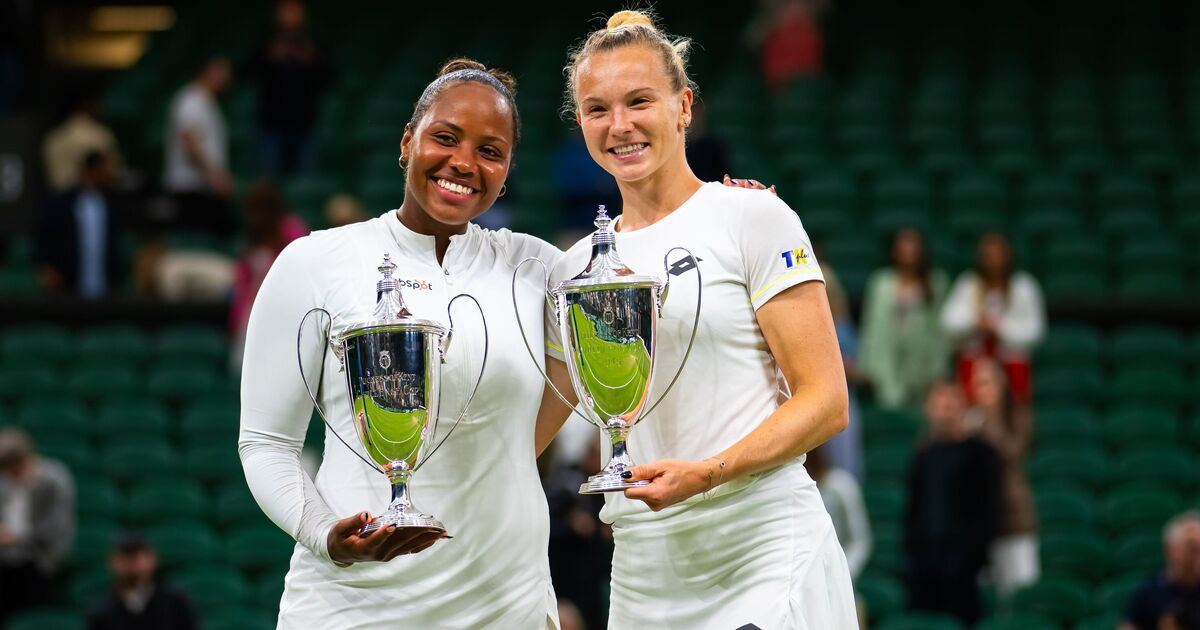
608	318
392	367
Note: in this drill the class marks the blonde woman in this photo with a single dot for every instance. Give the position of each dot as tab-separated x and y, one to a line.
730	532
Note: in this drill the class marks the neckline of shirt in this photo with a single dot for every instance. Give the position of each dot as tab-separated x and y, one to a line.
425	245
670	218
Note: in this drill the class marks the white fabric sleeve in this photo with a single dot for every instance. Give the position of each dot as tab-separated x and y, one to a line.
960	313
275	406
1024	321
775	249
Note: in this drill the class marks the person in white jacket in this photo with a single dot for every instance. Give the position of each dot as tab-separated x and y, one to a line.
995	310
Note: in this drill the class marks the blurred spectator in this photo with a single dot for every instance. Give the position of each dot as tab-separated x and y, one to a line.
139	600
706	153
77	244
344	209
904	349
953	512
292	76
65	146
580	543
1177	584
37	522
197	151
789	40
1184	615
1008	427
996	311
844	450
843	499
269	227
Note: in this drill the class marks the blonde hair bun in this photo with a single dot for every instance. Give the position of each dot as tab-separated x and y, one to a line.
630	18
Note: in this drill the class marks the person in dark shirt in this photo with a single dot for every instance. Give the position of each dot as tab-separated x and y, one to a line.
139	601
1175	588
292	77
953	512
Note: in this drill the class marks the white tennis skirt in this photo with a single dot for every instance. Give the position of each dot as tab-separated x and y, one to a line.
764	557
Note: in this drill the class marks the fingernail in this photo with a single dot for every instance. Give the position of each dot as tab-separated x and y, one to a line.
627	474
726	176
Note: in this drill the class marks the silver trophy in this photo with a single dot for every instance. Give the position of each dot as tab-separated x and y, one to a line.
392	366
608	316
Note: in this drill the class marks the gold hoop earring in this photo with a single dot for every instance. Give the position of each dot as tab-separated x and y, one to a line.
400	161
503	189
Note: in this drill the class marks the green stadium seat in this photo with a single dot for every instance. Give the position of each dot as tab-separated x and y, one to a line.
210	423
1075	252
889	462
1085	466
1064	506
1157	386
94	540
185	343
1063	600
87	588
183	544
20	383
887	553
1072	284
1161	286
1076	384
1146	345
1170	467
58	619
1125	221
235	505
137	459
1140	551
888	220
889	427
1139	425
848	250
49	343
1069	345
903	191
1140	509
102	500
885	502
882	594
1063	425
48	420
1084	161
1114	593
1124	190
213	588
269	592
235	619
1079	554
71	451
159	500
256	548
1019	621
920	621
131	417
217	462
114	343
112	382
179	383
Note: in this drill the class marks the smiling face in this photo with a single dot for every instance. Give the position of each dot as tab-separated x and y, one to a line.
632	119
459	154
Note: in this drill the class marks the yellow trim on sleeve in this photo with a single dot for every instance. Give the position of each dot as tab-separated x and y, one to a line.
778	280
553	347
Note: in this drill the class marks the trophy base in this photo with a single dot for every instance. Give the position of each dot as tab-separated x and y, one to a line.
608	482
403	520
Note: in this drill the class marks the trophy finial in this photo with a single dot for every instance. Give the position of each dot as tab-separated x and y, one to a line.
387	267
389	304
602	220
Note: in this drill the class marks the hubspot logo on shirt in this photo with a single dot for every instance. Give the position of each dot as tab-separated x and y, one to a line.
795	258
414	284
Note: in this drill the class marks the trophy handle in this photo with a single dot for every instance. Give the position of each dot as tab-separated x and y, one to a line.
442	349
553	305
325	343
662	297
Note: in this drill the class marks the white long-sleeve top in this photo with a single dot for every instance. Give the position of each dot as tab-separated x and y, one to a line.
483	484
1021	317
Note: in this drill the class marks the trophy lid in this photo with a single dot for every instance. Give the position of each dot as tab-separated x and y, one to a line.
390	312
605	270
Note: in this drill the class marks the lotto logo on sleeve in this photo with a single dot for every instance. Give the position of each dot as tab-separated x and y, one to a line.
795	258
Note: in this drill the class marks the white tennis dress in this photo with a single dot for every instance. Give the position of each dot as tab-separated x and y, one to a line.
483	484
759	551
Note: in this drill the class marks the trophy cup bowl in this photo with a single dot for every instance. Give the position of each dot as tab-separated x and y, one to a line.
608	317
392	369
